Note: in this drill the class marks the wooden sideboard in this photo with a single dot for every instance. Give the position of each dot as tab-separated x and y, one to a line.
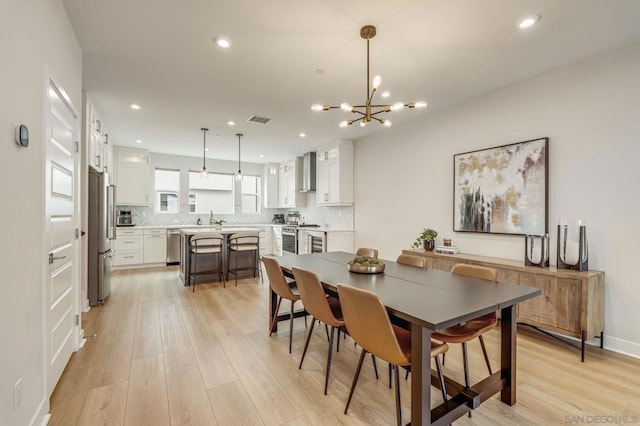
571	304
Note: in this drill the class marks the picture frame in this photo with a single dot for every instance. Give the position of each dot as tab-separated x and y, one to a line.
502	190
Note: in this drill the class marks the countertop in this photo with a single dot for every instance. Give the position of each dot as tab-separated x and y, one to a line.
234	226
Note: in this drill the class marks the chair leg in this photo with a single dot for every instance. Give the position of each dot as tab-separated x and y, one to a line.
237	286
275	316
326	374
441	376
327	330
338	342
390	374
406	376
355	379
466	367
484	352
375	365
398	405
306	342
195	266
290	324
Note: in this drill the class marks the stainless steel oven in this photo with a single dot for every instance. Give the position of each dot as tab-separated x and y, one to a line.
290	239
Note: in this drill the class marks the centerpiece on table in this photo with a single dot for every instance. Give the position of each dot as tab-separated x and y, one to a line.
365	265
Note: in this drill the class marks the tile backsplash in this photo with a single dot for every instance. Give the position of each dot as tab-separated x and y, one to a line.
333	217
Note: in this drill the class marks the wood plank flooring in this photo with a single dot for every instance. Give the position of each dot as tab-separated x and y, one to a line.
158	354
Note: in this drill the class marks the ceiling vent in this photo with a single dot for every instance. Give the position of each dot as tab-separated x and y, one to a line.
258	120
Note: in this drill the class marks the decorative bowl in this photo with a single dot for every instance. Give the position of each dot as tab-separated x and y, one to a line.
359	269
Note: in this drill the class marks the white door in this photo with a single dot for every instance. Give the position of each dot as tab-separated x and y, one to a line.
61	125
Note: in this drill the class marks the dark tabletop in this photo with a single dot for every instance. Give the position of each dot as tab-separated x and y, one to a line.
434	299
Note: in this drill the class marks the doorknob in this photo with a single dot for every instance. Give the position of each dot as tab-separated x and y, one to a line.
52	258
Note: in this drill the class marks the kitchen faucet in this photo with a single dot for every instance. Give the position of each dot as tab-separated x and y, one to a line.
211	218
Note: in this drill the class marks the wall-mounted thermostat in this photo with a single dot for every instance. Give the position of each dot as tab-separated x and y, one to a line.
22	135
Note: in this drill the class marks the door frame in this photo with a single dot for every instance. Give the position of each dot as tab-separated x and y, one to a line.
77	334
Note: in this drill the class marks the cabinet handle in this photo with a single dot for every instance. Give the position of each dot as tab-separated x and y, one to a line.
129	242
326	196
128	257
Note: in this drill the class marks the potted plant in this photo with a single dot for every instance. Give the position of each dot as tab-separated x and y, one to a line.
427	239
218	223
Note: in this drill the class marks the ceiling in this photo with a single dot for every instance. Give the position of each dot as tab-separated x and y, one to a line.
287	55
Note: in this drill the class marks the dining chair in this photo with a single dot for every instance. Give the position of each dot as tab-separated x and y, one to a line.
463	333
369	252
324	308
368	323
244	242
209	243
284	290
412	260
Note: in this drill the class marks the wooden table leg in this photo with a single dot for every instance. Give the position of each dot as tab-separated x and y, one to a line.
508	354
420	375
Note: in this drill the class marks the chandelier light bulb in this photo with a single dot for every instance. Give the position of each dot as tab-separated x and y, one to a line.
529	21
363	123
317	107
387	123
376	81
345	123
346	107
204	174
397	106
420	104
239	176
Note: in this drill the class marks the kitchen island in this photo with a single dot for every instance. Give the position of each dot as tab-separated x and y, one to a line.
206	261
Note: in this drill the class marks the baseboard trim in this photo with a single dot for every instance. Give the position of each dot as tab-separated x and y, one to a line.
621	346
41	416
85	305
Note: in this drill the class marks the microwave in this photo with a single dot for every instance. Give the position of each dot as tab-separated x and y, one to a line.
125	218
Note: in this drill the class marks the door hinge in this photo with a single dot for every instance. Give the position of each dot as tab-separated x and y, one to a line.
76	320
76	233
77	146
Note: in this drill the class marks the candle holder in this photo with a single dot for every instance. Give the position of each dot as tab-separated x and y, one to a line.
582	261
529	245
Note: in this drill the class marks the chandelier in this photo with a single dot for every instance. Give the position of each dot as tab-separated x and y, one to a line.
369	111
204	173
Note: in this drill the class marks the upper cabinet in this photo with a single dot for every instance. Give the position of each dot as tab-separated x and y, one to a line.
289	183
334	174
96	138
132	177
270	177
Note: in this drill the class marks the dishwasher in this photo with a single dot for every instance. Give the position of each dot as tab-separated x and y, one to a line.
173	246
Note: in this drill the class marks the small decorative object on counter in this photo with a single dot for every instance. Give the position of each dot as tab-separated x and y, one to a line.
365	265
447	249
531	255
427	239
447	242
218	223
572	255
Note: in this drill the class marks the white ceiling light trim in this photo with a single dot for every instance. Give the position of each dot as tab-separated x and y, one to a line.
529	21
222	42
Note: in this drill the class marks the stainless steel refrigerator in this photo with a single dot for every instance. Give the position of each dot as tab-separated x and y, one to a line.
101	232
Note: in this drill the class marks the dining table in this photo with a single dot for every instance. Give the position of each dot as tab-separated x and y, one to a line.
429	300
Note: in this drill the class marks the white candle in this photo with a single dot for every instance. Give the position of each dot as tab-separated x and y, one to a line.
572	254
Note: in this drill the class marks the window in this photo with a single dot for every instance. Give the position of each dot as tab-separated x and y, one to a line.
250	193
167	186
214	193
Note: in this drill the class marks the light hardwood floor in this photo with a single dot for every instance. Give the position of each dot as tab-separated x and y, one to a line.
161	355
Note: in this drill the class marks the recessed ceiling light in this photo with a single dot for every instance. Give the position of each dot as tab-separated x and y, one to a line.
385	94
231	123
528	21
135	106
217	136
261	155
303	135
223	42
138	141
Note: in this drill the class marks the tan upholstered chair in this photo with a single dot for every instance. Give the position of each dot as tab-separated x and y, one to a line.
368	323
468	331
412	260
284	290
209	243
243	242
363	251
323	308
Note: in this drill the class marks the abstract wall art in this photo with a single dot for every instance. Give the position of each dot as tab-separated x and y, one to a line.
502	190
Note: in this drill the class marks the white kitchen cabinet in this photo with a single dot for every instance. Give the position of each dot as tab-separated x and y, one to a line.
277	240
266	245
94	135
270	178
128	247
303	246
334	174
289	183
339	241
155	246
132	177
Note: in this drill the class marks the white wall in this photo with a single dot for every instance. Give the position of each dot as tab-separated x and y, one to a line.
591	113
33	35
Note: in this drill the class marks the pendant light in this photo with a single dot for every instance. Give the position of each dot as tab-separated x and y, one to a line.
204	174
239	175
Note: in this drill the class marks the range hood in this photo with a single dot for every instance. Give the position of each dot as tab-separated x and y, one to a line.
309	172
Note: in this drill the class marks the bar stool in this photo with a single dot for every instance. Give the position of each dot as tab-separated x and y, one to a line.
201	244
242	242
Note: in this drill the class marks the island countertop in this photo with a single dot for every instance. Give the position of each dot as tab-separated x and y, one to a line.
224	231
